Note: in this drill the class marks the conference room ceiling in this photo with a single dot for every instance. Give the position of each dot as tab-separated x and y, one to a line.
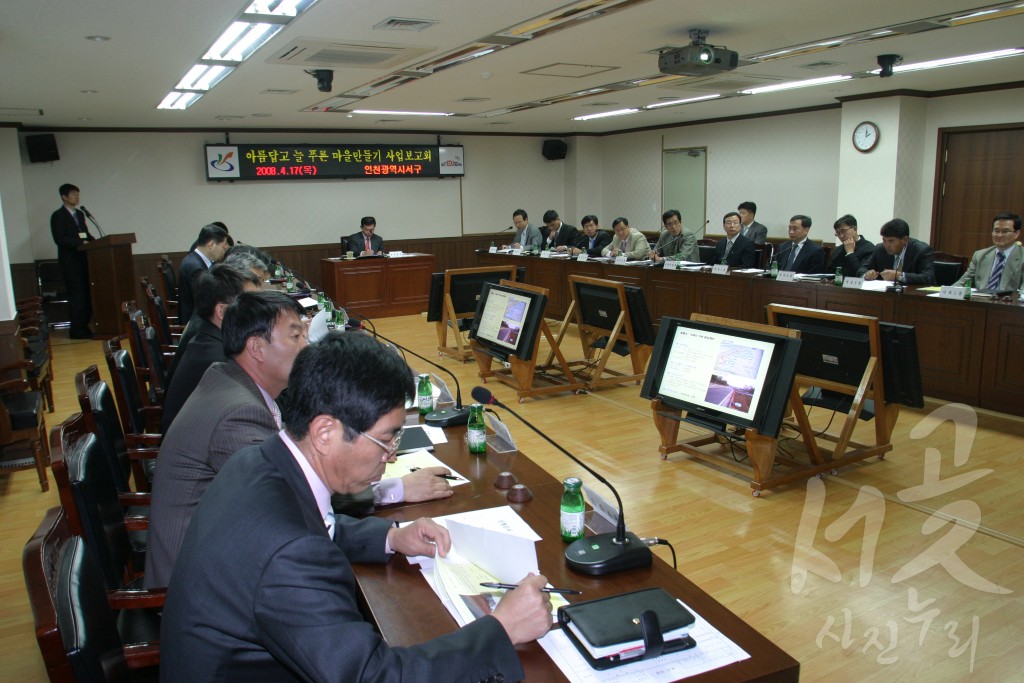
54	77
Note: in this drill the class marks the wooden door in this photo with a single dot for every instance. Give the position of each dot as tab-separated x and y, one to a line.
981	173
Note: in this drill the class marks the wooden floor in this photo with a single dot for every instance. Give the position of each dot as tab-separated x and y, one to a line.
888	583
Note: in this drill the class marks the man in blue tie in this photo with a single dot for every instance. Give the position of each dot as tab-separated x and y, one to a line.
69	230
998	267
593	239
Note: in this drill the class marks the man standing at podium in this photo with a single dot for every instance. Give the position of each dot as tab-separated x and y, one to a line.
69	230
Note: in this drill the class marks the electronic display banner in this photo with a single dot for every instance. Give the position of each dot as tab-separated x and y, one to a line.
300	162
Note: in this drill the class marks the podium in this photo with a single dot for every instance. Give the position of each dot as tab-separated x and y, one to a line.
111	279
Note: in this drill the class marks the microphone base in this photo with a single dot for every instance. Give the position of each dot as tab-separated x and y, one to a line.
599	554
448	417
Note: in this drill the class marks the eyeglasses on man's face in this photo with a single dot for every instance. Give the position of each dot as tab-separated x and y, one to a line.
389	448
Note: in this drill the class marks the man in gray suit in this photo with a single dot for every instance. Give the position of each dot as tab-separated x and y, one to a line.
527	236
235	406
998	266
748	226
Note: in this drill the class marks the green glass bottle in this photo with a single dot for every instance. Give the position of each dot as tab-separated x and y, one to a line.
775	269
571	517
967	289
424	394
839	277
477	430
289	284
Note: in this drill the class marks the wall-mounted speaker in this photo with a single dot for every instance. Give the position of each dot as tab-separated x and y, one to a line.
41	148
554	150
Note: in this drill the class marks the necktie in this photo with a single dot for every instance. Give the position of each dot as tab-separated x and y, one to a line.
276	413
997	271
369	250
792	257
728	248
329	523
592	243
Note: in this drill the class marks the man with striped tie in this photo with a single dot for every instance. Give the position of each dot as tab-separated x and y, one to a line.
998	267
900	257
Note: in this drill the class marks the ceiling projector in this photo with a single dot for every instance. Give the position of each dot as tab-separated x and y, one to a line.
697	60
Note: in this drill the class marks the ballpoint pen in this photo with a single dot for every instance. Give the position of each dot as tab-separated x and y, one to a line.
512	586
449	477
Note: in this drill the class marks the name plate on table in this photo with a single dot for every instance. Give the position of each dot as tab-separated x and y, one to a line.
722	269
671	265
582	258
786	276
545	254
620	259
517	252
952	292
492	250
853	283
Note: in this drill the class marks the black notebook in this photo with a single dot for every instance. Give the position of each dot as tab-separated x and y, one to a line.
413	439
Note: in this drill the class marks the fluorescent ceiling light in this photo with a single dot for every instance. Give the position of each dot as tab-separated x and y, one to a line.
686	101
617	112
203	77
954	61
279	8
380	112
179	100
240	40
797	84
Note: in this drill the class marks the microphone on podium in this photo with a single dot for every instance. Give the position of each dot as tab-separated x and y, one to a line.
599	554
446	417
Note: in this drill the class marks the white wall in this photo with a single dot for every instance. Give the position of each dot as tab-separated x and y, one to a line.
153	184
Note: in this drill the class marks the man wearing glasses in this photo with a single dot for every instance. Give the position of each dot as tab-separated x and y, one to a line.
264	588
999	266
234	406
853	252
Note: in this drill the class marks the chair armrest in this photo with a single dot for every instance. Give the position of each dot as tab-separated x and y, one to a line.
136	598
130	498
23	364
142	655
143	453
140	440
136	523
12	386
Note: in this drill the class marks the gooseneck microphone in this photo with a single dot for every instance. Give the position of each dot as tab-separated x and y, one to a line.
93	219
703	227
446	417
599	554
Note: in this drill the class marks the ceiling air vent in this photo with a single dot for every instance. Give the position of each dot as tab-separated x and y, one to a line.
400	24
337	54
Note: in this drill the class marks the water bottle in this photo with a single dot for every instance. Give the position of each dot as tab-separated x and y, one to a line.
477	430
340	318
571	516
967	289
289	284
839	277
775	269
425	394
278	271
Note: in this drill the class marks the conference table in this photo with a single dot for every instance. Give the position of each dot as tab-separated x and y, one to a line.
970	351
397	600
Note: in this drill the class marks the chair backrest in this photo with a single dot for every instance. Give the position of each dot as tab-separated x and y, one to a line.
87	624
134	323
948	272
107	427
157	313
155	359
707	253
85	379
40	562
110	349
168	280
96	500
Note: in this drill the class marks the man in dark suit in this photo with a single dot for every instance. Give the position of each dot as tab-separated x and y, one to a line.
749	227
854	251
212	244
234	406
900	257
592	240
215	289
800	254
560	236
366	242
69	230
264	588
735	250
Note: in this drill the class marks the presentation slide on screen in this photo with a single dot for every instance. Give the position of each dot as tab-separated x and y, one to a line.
503	317
720	371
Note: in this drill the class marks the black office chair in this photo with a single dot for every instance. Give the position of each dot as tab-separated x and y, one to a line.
706	254
948	272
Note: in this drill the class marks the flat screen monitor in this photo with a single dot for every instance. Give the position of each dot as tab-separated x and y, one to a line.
722	375
839	351
465	291
599	307
507	320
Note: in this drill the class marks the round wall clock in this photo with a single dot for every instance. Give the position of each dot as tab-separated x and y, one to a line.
865	136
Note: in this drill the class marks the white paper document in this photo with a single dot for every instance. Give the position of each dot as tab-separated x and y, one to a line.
417	460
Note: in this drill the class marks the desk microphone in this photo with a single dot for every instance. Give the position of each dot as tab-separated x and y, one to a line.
599	554
703	227
93	219
447	417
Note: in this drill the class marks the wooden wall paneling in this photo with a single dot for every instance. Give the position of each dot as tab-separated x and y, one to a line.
722	295
670	293
551	274
949	344
408	282
1002	368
